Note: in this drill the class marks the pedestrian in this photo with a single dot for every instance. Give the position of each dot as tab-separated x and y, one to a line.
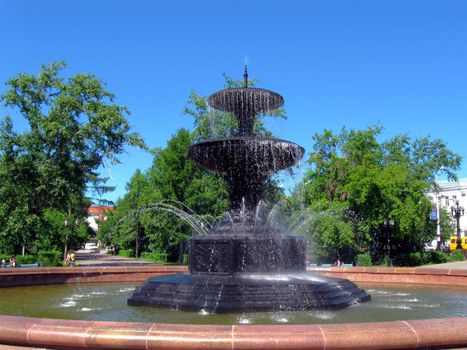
67	259
72	257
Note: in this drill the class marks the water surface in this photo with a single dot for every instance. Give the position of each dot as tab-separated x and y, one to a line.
108	302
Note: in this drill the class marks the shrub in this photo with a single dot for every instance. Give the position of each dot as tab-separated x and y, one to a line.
50	257
185	259
364	260
422	258
157	257
417	259
25	259
438	257
127	253
457	255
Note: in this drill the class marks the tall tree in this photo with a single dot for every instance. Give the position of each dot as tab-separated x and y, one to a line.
75	126
172	178
375	183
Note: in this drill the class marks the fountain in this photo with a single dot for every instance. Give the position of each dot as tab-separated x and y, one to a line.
244	263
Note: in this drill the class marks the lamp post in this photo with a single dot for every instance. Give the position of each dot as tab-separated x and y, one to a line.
438	222
457	211
389	225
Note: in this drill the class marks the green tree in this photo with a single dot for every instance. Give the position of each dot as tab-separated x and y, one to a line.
172	177
376	183
74	128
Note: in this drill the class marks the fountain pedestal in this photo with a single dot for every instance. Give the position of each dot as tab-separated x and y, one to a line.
242	253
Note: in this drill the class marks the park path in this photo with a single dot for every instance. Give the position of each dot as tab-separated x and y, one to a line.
91	258
450	265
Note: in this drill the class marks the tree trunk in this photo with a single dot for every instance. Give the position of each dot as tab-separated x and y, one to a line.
137	238
67	222
65	249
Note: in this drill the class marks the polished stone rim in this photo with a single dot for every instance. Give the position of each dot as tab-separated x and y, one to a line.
29	331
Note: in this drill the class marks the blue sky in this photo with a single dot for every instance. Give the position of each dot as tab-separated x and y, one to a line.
399	64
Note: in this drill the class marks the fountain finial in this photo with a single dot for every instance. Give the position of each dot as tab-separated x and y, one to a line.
245	76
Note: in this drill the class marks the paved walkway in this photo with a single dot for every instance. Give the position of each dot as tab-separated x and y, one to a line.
90	258
450	265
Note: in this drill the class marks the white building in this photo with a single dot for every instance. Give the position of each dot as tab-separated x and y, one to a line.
447	196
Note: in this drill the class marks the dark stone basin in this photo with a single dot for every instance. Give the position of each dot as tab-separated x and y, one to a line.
249	100
246	155
248	292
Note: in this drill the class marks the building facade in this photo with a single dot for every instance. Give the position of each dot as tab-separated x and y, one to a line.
447	196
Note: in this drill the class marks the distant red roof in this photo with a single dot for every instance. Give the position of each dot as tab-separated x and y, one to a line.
99	211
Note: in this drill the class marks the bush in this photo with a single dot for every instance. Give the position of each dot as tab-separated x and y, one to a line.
417	259
50	257
127	253
423	258
364	260
25	259
185	259
157	257
457	255
438	257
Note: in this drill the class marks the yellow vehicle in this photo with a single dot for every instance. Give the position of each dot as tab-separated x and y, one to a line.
453	243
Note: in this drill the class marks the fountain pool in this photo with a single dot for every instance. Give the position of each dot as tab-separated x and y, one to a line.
69	320
106	302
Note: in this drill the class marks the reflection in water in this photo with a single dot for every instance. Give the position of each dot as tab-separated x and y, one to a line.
108	302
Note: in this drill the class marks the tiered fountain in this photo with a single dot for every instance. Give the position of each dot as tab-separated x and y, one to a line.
244	263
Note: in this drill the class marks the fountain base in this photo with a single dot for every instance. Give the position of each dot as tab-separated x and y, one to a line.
248	292
246	253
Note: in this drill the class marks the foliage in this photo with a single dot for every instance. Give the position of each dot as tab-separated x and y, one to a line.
375	184
363	259
74	127
457	255
50	257
157	257
174	177
423	258
439	257
209	123
47	258
127	253
26	259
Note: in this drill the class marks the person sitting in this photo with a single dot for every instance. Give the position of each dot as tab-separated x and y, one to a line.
12	261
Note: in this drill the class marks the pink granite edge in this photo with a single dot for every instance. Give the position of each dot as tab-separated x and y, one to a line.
91	270
127	335
392	270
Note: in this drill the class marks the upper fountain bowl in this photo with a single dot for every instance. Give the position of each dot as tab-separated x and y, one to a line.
241	101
